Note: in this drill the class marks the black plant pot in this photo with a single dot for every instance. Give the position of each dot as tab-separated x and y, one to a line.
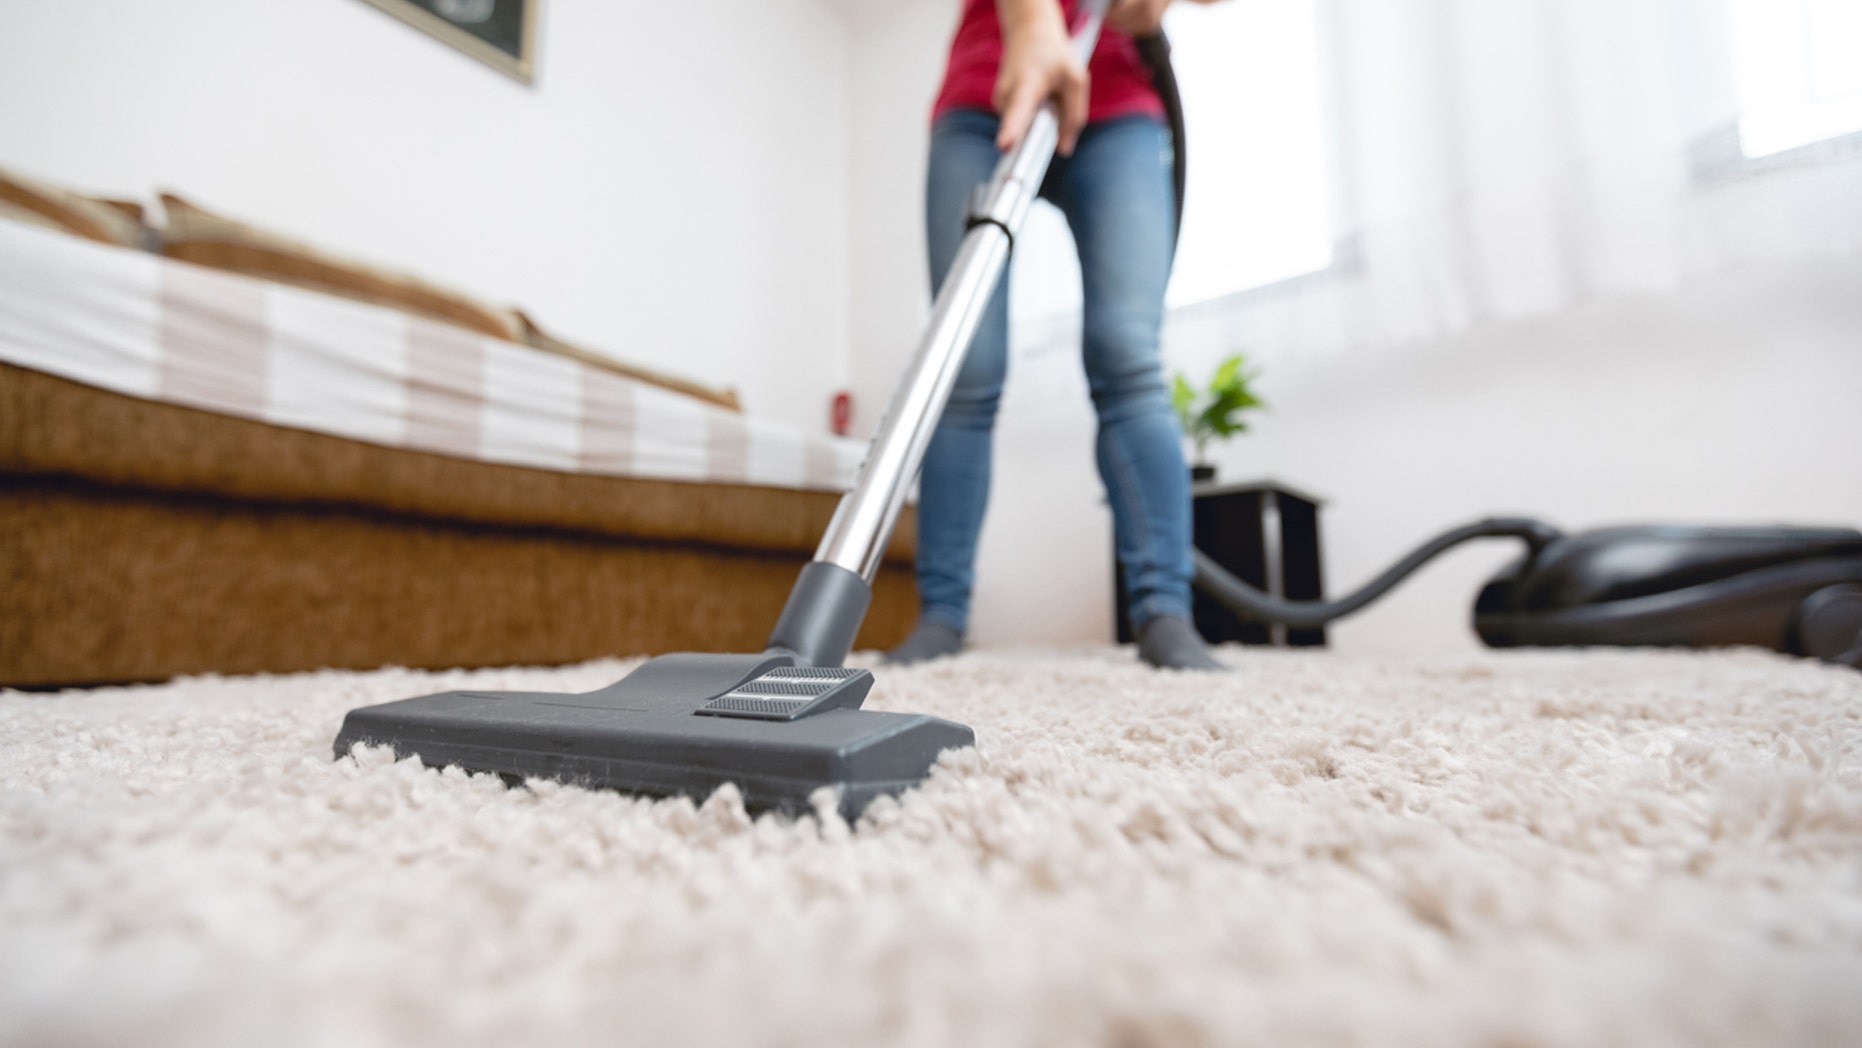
1202	473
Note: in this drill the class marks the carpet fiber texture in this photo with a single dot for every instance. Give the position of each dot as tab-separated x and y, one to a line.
1531	849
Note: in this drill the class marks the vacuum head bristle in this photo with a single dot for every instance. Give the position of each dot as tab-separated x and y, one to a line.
788	693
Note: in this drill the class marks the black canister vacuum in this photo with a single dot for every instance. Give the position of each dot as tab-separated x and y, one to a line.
787	722
1795	590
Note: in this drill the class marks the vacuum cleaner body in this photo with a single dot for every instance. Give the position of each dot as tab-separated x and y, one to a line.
1796	590
680	724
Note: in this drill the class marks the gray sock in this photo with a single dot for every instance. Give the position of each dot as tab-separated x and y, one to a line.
930	639
1170	642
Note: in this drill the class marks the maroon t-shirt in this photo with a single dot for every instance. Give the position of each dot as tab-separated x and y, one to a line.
1121	82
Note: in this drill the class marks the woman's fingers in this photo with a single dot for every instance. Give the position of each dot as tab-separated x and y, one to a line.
1074	96
1038	64
1025	82
1017	101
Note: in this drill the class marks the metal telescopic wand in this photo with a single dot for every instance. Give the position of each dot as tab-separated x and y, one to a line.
821	616
862	526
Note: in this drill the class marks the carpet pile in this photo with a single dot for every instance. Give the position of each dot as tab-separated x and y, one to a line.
1519	849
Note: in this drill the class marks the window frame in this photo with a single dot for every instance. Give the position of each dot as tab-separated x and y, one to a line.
1039	334
1718	157
1347	255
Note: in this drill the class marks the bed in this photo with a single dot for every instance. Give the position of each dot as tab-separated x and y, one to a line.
203	471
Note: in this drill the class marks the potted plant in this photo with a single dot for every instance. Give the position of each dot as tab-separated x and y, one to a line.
1215	410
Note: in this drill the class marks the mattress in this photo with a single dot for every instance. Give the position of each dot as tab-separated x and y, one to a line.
169	331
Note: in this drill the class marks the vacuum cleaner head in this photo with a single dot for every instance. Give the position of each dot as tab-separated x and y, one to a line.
679	724
1796	590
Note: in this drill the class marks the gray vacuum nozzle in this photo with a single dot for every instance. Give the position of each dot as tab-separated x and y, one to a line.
664	730
823	615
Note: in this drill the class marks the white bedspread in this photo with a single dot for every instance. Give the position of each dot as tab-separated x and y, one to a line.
152	327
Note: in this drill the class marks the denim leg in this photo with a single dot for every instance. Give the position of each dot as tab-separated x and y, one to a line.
953	489
1119	200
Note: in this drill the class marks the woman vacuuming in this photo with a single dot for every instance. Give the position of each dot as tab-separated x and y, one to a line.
1112	180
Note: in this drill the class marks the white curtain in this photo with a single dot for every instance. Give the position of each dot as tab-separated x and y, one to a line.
1499	159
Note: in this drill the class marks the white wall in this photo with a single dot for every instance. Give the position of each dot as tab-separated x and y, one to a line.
672	187
1733	400
898	49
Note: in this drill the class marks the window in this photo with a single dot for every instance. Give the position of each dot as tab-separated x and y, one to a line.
1259	203
1260	197
1797	70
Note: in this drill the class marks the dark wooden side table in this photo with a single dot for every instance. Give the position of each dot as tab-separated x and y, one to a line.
1267	534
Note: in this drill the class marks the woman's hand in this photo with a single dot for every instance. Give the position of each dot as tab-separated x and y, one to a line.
1038	63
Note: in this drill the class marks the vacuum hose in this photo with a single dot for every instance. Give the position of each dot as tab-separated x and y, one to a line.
1251	603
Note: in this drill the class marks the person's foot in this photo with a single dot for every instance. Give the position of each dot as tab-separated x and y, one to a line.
1169	642
930	639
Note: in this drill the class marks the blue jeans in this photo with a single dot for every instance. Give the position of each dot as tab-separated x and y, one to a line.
1116	193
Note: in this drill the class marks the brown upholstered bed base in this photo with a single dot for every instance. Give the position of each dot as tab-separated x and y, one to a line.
140	540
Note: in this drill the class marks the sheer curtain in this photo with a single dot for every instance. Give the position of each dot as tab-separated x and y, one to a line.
1498	159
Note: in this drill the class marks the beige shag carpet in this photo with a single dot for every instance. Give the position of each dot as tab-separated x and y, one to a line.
1570	849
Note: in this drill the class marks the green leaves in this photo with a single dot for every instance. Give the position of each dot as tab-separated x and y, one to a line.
1183	398
1216	410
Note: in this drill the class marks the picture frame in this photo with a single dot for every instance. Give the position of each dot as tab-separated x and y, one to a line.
500	33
